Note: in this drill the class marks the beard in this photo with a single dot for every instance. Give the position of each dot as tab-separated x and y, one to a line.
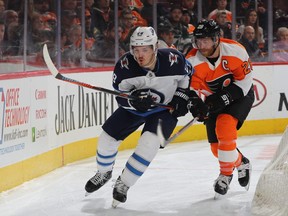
207	52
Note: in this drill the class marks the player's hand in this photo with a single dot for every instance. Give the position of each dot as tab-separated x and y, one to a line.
143	101
197	107
218	101
179	102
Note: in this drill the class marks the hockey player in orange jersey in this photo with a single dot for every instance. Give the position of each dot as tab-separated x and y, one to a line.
223	76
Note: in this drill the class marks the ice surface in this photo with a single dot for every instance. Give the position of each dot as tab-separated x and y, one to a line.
178	182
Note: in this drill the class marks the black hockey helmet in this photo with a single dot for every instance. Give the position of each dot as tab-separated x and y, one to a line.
206	28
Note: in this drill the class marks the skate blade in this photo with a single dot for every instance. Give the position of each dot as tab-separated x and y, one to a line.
87	194
217	196
250	172
247	186
115	203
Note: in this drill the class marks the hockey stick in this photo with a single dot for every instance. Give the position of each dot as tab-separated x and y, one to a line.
54	71
163	141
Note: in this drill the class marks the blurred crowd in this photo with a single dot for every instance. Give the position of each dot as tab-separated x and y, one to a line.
175	24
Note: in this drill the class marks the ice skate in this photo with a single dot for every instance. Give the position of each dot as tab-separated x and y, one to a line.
97	181
119	193
244	173
221	185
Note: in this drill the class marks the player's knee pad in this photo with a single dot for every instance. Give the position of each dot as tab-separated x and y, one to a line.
226	127
148	145
107	145
214	149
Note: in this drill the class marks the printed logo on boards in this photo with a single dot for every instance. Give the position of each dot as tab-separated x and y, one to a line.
2	113
40	94
33	134
38	133
260	92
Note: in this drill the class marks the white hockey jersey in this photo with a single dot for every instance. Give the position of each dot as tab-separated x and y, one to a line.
172	71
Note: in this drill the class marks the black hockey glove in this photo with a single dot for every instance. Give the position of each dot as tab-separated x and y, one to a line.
218	101
179	102
197	107
143	101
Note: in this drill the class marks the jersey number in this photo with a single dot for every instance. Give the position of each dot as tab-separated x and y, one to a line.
247	67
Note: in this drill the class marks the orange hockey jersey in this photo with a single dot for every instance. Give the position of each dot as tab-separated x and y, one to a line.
233	65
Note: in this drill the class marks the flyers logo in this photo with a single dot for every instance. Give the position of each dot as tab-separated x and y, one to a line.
247	67
220	83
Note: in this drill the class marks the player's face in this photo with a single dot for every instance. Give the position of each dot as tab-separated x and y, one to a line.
144	55
205	46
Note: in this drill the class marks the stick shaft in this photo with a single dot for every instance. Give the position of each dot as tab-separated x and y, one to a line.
54	71
178	133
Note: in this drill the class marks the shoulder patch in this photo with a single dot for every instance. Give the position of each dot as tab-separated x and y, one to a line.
124	63
173	58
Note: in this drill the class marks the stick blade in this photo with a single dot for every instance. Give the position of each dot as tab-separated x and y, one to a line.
53	70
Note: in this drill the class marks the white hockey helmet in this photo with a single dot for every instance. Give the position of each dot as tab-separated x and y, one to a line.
143	36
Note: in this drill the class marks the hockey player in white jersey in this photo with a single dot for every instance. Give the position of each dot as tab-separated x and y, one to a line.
152	75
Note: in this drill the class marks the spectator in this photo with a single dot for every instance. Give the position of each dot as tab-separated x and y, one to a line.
49	18
181	38
138	19
137	4
75	38
89	33
69	15
46	36
250	43
2	31
89	4
186	20
221	20
89	8
10	16
42	6
49	21
280	47
68	19
12	42
147	11
281	18
14	5
165	35
71	54
251	19
126	20
189	6
245	5
69	5
101	15
105	47
2	7
37	33
163	8
221	5
190	28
